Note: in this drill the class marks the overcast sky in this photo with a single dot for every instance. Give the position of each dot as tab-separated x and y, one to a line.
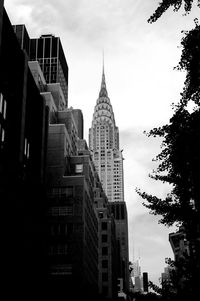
139	60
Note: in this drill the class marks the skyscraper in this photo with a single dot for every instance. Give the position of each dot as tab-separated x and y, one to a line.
108	160
48	51
104	145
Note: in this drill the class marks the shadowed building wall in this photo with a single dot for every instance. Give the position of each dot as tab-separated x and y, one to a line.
23	139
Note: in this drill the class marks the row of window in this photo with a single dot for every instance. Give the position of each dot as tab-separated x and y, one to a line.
50	77
61	269
61	211
49	68
60	192
52	60
60	249
61	229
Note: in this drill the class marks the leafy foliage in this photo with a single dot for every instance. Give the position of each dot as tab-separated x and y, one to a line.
179	162
179	158
176	4
190	62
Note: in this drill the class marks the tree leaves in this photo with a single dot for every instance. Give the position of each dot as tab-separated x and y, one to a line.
179	163
190	62
176	4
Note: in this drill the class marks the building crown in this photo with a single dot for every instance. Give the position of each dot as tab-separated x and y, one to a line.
103	110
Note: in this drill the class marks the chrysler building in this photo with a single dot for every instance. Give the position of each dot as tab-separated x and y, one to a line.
108	160
104	146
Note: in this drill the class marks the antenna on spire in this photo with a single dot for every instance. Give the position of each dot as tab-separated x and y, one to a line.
103	91
103	59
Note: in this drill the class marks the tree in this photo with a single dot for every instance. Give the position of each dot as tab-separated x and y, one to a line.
179	160
176	4
179	166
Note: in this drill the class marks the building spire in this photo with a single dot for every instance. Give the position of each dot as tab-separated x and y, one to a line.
103	91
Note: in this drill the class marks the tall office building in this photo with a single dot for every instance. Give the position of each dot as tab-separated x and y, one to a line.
108	160
48	51
104	145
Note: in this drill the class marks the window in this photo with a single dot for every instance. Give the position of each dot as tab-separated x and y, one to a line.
2	135
104	290
26	148
62	249
68	228
61	269
69	191
100	214
78	168
3	106
104	250
104	238
104	276
1	102
61	211
104	263
104	226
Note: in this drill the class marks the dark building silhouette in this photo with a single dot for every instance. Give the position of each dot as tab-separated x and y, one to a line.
23	37
119	211
23	142
145	282
108	245
60	235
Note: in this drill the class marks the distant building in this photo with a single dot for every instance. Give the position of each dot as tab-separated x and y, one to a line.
137	276
145	282
165	276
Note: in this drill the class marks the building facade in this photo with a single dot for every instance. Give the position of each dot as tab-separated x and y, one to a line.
104	145
61	233
108	160
108	249
48	51
23	144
